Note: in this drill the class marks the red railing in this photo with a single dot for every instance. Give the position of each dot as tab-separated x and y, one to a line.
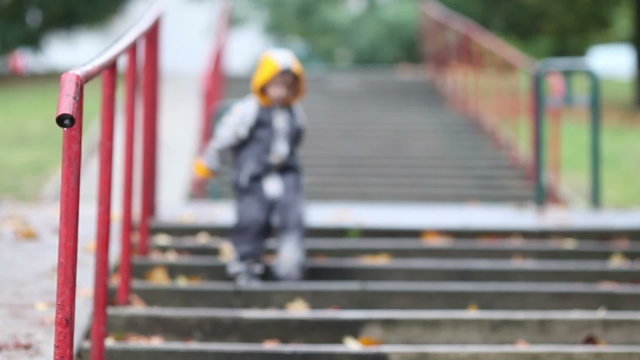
484	78
213	84
69	117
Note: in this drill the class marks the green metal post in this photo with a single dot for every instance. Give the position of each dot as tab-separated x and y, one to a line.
595	140
538	137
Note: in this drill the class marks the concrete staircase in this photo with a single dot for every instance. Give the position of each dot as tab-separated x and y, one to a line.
423	296
386	135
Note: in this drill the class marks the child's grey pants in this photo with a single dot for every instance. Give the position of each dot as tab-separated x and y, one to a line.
259	212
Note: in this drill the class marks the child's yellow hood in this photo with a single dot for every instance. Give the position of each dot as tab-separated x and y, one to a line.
271	63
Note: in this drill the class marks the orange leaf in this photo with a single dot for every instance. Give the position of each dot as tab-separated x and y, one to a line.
369	341
136	301
375	259
521	343
271	343
158	275
435	238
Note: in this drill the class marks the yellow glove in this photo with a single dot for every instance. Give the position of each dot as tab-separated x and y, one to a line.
201	170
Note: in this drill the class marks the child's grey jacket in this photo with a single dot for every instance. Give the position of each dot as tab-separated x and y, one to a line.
261	140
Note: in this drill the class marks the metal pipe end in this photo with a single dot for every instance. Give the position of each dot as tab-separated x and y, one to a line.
65	121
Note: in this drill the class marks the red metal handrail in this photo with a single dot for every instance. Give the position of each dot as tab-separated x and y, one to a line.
483	77
69	117
213	80
213	83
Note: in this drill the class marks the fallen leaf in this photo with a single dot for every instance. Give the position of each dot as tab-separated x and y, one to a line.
623	243
171	255
608	284
182	280
162	239
298	305
158	275
369	341
187	218
352	343
521	343
84	293
354	233
320	258
90	248
203	237
42	306
114	279
116	217
472	307
136	301
618	259
226	251
375	259
568	243
435	238
593	340
271	343
26	232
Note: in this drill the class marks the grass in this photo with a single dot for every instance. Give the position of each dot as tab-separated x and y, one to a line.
30	141
620	152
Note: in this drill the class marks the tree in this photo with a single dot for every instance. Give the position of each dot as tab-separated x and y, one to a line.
345	32
546	28
25	22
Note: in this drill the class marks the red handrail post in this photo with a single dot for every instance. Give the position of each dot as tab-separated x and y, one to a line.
150	91
70	85
124	287
101	282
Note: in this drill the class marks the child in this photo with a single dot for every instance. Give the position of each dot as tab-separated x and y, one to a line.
263	131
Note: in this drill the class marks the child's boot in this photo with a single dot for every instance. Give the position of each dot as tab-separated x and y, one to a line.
245	272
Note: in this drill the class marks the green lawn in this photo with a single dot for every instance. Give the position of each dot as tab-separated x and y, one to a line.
30	141
620	148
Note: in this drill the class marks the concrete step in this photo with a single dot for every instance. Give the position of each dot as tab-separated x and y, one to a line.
505	248
345	179
259	351
416	269
618	236
390	326
396	295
